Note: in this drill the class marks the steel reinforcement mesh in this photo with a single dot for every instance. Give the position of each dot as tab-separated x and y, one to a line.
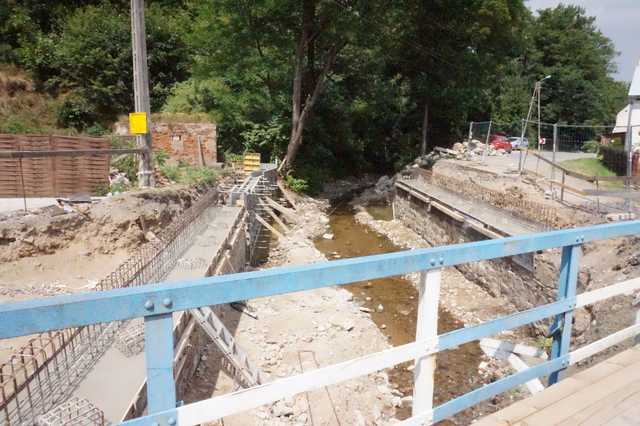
44	372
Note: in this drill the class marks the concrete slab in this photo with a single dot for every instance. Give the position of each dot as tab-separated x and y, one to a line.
13	204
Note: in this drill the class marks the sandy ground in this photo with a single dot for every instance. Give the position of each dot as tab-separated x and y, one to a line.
43	276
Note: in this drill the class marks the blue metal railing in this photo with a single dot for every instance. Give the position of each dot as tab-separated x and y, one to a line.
156	304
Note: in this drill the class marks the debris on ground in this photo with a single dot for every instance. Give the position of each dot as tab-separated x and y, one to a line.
470	150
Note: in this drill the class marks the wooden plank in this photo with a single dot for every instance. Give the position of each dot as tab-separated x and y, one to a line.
626	287
515	348
630	195
243	400
516	363
69	153
277	219
286	195
427	324
426	328
578	401
607	409
290	214
268	226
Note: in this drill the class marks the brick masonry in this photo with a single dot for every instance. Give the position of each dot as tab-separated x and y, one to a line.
195	143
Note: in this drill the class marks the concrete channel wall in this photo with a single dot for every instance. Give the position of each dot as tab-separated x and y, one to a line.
499	277
230	257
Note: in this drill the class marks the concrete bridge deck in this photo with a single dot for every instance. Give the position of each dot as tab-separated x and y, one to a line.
114	380
606	394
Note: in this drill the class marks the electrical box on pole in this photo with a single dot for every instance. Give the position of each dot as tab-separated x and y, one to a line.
142	104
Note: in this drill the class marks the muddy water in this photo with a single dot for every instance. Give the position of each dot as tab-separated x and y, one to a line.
398	297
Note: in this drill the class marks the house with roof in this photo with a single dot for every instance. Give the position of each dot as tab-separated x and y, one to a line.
629	117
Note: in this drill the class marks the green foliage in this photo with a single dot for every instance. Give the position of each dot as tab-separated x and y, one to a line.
160	157
614	158
590	146
187	174
296	184
90	56
128	165
234	64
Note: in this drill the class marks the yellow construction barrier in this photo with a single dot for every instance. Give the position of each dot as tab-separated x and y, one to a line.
251	161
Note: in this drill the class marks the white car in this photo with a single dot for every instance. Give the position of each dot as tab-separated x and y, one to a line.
518	143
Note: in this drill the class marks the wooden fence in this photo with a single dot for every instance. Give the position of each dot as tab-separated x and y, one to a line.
54	173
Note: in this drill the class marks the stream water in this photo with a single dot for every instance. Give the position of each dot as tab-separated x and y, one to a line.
456	369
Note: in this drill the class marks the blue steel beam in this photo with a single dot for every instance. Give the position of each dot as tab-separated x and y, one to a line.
29	317
451	340
158	353
567	281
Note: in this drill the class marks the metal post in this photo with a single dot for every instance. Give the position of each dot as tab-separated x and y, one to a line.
524	128
539	88
561	328
553	156
486	144
141	91
426	327
628	147
158	350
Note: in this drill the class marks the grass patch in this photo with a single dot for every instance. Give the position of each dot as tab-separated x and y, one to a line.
591	167
187	174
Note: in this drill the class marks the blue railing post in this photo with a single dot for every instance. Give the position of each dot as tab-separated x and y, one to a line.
158	348
561	327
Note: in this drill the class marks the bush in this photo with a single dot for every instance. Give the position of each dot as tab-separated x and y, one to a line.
187	174
76	112
296	184
128	165
614	158
590	146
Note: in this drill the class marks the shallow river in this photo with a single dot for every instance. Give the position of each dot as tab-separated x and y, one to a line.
456	369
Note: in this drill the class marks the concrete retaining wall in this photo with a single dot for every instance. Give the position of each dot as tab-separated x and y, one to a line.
502	277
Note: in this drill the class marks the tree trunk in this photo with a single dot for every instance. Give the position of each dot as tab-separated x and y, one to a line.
425	129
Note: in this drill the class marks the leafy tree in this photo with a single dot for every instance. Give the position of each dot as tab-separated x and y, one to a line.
91	57
566	44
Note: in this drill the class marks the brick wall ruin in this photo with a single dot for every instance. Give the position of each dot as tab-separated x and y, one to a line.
194	143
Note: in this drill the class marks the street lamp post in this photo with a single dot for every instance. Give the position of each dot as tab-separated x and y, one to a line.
536	94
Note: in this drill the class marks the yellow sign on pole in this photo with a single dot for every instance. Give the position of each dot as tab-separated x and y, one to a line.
138	123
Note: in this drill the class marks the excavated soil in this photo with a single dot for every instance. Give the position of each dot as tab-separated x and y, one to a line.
114	223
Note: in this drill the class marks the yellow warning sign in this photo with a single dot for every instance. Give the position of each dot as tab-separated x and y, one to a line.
251	161
138	123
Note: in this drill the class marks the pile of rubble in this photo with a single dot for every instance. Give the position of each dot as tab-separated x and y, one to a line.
469	150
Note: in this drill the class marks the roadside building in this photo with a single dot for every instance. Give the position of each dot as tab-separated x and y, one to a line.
630	114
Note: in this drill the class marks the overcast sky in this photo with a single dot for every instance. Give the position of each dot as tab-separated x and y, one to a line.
617	19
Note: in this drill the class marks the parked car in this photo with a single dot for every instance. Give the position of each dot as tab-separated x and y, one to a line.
499	141
518	143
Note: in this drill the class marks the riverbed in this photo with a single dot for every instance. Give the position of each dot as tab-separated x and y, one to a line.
393	302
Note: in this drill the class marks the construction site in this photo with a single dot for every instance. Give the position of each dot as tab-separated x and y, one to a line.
159	273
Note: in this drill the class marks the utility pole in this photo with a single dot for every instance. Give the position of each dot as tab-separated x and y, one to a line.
141	91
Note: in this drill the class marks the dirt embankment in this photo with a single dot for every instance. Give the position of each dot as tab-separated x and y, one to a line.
115	223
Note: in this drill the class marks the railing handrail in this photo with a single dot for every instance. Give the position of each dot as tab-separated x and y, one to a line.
156	304
39	315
